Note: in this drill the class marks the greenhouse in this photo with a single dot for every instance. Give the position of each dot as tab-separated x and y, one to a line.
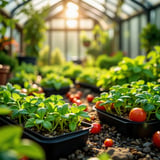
80	80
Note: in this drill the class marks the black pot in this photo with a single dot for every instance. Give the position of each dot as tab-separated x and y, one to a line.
49	91
90	86
26	59
59	146
128	127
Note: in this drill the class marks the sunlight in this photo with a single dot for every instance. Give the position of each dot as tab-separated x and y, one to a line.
72	10
71	23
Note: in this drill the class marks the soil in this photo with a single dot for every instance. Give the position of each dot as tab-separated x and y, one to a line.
124	148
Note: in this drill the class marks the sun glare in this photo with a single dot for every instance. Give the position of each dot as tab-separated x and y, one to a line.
72	10
71	23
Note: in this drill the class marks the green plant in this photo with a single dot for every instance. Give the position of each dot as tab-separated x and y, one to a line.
85	40
128	96
45	114
57	57
100	44
8	60
55	81
34	30
128	70
11	145
21	77
150	36
105	61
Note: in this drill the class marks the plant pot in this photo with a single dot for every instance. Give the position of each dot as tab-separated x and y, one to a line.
129	128
57	146
49	91
4	72
90	86
86	43
27	59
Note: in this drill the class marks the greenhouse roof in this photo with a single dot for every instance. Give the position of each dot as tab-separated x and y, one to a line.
104	11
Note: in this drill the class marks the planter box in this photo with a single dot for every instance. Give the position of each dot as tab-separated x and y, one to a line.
4	72
92	87
49	91
57	146
26	59
129	128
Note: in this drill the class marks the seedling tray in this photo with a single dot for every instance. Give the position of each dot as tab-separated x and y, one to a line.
127	127
58	146
49	91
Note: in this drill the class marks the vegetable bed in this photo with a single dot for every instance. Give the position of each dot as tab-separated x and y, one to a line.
124	147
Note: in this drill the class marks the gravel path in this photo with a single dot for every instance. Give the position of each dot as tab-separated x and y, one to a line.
124	148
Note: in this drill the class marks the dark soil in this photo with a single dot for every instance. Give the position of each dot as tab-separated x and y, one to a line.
124	148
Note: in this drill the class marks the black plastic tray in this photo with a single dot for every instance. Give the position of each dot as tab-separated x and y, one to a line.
49	91
57	146
92	87
129	128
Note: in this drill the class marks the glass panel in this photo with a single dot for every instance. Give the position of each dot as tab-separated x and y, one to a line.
10	6
154	2
125	37
58	23
153	17
86	23
128	9
143	20
56	11
17	38
111	14
111	7
95	5
158	17
133	5
72	45
134	38
58	41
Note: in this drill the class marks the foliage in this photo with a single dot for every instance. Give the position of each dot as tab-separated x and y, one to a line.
8	60
89	75
128	70
34	29
22	77
154	61
57	57
100	44
55	81
45	114
84	38
43	58
105	61
150	36
27	67
132	95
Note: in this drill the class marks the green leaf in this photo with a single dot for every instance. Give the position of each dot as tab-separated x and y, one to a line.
16	96
72	126
8	155
63	109
149	107
30	149
41	112
82	107
47	125
30	123
4	110
158	115
39	121
10	137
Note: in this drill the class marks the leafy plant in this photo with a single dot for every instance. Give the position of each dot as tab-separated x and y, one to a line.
135	94
45	114
34	29
150	36
55	81
105	61
8	60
